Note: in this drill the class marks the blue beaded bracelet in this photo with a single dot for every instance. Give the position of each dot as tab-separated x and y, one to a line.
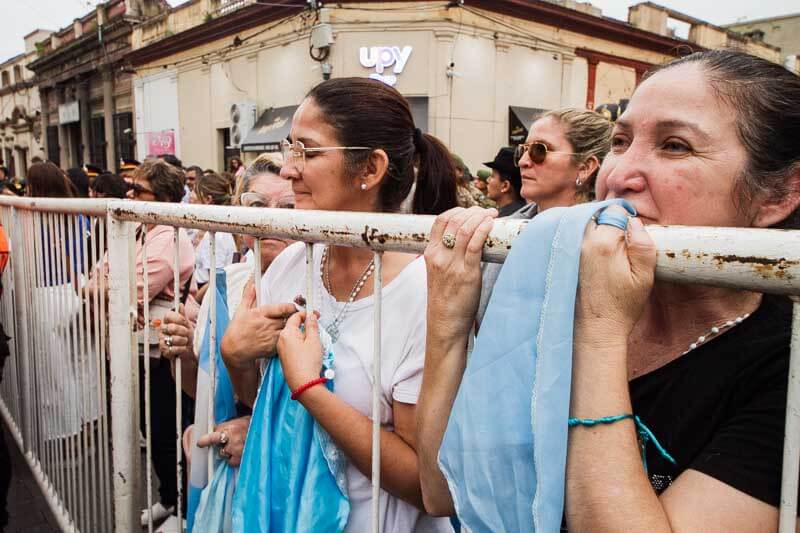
645	435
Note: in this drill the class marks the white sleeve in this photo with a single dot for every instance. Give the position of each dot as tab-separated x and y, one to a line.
407	378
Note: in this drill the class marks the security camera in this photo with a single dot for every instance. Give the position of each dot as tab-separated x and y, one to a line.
327	70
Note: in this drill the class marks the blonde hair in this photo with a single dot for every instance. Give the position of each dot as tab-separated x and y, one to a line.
218	187
264	163
589	133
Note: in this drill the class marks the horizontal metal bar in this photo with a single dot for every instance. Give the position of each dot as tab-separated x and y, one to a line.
765	260
72	206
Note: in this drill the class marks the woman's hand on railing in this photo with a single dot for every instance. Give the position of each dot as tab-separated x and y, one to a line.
176	336
229	438
254	331
453	261
617	271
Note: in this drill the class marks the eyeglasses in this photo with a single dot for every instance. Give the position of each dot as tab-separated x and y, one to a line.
254	199
295	153
536	151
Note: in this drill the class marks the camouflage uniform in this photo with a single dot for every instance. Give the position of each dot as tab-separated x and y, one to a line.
469	195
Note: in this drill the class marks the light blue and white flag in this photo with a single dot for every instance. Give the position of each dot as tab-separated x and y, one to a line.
209	505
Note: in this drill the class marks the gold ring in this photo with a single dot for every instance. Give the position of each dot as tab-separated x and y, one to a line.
449	240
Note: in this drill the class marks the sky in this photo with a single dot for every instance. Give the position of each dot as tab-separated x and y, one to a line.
23	16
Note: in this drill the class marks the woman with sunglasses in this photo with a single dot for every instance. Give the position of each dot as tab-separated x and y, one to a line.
709	139
559	164
341	158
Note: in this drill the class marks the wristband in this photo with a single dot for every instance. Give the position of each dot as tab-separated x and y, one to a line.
302	388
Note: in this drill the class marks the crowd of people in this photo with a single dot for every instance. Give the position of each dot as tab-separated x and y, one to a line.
707	140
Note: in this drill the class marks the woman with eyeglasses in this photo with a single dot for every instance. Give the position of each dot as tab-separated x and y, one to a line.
340	158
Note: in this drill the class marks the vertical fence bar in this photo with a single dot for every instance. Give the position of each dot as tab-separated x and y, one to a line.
87	362
176	279
148	432
20	268
32	349
76	459
51	249
66	350
310	277
376	396
211	292
105	385
122	314
257	270
39	346
791	443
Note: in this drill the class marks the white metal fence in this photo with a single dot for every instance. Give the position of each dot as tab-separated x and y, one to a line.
70	389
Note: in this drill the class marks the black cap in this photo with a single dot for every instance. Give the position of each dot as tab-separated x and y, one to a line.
504	164
128	164
92	170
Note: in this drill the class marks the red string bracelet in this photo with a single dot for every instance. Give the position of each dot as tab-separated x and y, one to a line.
302	388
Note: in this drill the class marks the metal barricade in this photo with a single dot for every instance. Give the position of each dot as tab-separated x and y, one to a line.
752	259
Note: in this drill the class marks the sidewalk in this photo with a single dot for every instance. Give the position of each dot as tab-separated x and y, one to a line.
28	511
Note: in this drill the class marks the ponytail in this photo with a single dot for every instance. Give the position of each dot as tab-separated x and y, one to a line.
436	177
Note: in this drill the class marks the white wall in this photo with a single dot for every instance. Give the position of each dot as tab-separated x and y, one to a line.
156	108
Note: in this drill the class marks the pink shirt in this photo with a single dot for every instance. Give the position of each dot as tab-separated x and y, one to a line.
160	249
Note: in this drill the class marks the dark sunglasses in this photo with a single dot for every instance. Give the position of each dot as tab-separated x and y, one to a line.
537	151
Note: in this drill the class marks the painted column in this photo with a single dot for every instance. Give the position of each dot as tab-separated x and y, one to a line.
83	102
44	97
63	137
108	115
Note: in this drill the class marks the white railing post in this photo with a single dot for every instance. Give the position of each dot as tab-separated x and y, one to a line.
791	438
124	426
24	351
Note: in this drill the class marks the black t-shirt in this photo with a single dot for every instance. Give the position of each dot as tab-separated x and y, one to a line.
720	409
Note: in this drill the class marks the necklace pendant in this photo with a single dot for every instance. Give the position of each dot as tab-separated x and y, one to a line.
333	331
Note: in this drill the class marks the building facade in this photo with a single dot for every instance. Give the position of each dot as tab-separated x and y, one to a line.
20	109
475	75
783	32
86	100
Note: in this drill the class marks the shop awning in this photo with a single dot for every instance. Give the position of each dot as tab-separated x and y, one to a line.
271	128
519	120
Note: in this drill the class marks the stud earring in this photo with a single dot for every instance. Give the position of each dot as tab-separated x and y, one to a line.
363	186
578	181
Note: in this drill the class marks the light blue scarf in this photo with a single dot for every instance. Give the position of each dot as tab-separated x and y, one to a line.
292	475
505	448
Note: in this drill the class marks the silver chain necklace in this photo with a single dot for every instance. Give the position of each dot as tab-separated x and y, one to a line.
714	331
333	328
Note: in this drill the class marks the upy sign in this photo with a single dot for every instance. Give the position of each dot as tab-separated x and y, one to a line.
381	58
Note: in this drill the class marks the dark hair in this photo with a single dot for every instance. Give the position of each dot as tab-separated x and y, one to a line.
197	170
110	185
366	112
80	180
165	179
218	187
48	181
766	99
172	160
230	164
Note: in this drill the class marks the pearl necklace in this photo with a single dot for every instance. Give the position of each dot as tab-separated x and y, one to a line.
714	331
333	328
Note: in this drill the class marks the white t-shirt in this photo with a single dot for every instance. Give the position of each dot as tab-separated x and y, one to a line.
402	359
226	247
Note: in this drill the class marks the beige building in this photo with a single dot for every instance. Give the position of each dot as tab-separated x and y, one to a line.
475	74
20	109
783	32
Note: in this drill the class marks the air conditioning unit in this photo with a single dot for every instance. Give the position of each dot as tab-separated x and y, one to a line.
243	118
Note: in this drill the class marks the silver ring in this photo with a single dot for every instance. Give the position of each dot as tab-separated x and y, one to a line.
168	340
449	240
223	438
225	454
